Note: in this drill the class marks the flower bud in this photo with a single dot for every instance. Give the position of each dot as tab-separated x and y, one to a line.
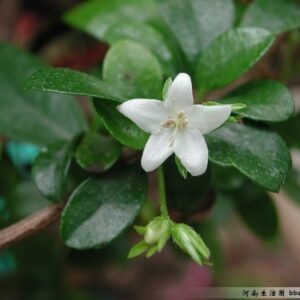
158	232
190	242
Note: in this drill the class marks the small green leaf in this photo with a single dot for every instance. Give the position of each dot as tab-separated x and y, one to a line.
147	36
195	23
129	66
66	81
258	153
181	168
258	211
96	17
102	208
231	55
97	153
140	229
152	250
138	249
166	87
265	101
277	16
50	169
120	127
36	118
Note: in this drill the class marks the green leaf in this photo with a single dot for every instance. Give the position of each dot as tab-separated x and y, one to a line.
101	208
152	250
240	8
258	153
97	153
138	249
147	36
265	101
231	55
37	118
66	81
96	17
258	211
195	23
131	67
119	126
181	168
277	16
50	169
166	87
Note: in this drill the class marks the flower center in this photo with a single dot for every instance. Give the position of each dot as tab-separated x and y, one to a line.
180	121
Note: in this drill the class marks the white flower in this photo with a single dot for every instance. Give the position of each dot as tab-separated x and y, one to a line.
176	126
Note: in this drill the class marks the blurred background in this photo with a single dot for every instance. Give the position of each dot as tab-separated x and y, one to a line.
41	267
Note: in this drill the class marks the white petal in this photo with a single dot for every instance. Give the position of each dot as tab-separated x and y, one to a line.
190	147
180	93
207	118
157	150
146	113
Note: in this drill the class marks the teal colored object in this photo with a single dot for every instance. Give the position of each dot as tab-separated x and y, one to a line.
4	213
21	154
7	264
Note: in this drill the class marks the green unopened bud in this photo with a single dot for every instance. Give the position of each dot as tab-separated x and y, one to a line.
158	232
190	242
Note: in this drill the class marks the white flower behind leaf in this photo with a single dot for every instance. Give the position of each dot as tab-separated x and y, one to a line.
176	125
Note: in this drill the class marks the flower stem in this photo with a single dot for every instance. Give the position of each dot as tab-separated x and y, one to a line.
162	192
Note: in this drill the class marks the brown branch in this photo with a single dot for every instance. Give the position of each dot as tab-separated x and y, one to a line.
29	226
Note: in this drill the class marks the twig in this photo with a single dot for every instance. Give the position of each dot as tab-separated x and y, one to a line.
29	226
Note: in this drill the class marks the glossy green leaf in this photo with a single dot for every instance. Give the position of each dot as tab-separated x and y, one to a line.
119	126
130	67
258	211
231	55
101	208
258	153
50	169
146	36
33	117
265	100
97	153
133	68
277	16
96	17
66	81
195	23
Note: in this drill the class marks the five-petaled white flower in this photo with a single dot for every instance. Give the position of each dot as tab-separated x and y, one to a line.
176	126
